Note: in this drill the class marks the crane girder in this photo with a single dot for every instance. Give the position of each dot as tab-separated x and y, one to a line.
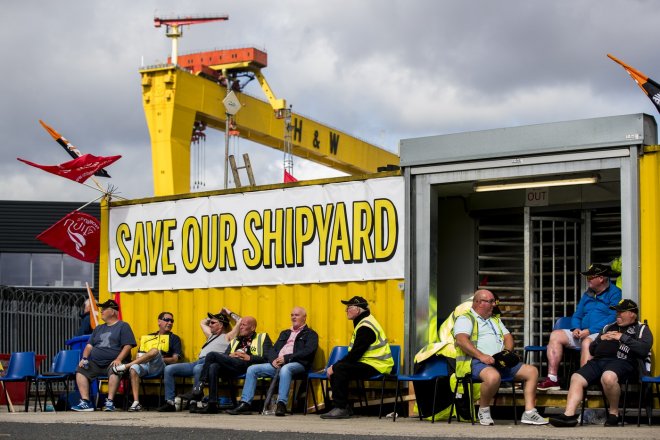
174	99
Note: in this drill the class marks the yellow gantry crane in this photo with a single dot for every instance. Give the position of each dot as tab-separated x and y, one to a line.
175	96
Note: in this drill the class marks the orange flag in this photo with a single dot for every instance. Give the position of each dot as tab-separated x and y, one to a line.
93	308
650	87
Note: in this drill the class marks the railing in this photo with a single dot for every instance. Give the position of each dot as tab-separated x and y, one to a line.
39	321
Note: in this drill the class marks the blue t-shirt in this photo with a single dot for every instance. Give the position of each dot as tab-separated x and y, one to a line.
108	340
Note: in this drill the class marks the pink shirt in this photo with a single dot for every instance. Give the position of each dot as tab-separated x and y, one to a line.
288	347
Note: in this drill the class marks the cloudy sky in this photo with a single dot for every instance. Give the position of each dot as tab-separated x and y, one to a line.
381	70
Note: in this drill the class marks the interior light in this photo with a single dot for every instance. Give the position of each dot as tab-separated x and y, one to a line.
503	185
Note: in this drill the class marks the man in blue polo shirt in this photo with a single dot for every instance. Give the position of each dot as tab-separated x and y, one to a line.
593	312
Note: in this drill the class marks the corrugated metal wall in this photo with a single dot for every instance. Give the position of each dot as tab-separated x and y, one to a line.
271	305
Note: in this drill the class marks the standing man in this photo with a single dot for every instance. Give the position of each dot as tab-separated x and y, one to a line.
156	350
108	346
248	348
369	355
591	315
218	332
293	353
85	324
617	352
480	335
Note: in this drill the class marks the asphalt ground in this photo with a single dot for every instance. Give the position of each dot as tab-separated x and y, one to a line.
183	425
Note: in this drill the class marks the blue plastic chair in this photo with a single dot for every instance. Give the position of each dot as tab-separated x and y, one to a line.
647	384
396	357
562	323
22	368
63	369
336	354
468	381
434	369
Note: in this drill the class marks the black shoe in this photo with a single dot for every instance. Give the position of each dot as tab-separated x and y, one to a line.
280	411
337	413
167	407
612	420
242	408
211	408
192	407
564	421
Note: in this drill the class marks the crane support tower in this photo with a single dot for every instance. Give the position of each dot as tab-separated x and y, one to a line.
174	27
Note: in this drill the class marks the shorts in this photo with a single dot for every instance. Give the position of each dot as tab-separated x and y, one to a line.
574	342
154	366
594	369
93	370
477	366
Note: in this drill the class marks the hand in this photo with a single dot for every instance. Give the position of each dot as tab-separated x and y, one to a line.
277	363
329	371
611	336
584	333
488	360
115	362
240	355
576	333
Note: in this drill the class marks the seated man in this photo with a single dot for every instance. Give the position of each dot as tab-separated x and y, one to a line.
156	350
369	355
617	352
108	346
218	332
592	313
479	335
248	348
293	353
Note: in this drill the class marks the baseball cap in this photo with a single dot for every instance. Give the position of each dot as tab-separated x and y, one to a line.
109	304
221	317
356	301
599	270
626	305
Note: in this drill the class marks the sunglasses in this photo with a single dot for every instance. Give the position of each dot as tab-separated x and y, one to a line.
168	320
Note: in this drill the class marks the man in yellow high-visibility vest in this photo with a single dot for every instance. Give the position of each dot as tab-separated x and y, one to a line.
369	355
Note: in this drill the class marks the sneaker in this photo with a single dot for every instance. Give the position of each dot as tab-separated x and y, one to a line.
167	407
109	405
135	407
83	405
533	418
337	413
485	418
548	385
119	369
612	420
564	421
280	410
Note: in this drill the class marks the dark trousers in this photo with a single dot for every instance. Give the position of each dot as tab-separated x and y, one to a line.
342	374
220	366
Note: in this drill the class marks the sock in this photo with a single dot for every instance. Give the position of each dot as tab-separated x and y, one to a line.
484	409
530	411
553	377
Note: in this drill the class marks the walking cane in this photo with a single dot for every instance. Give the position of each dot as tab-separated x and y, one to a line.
271	390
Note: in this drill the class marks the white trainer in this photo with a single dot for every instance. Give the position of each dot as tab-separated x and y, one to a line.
119	369
533	418
485	418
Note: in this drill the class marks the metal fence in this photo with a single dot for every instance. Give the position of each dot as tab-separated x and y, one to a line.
39	321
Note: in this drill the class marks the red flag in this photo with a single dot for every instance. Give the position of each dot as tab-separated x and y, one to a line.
79	169
648	86
118	301
77	234
68	147
288	178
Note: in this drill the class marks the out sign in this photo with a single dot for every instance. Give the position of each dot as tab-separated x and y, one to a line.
537	197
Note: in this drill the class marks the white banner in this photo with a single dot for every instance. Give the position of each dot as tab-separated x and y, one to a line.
338	232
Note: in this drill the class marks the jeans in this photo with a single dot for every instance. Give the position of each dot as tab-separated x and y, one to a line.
267	370
181	370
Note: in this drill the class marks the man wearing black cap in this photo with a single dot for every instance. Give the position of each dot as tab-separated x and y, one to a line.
592	313
155	351
617	354
108	346
217	329
248	348
369	355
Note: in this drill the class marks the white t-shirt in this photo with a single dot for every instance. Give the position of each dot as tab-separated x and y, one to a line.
489	341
